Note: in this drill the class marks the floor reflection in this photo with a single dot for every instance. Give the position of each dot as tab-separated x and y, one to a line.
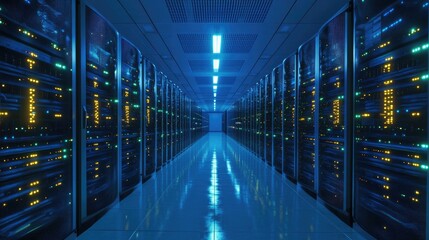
217	189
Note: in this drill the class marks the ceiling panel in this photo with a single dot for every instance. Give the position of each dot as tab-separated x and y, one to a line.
177	11
230	11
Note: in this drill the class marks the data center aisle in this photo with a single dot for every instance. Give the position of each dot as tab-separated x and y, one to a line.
218	190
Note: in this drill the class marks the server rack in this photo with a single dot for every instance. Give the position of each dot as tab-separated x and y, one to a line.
307	91
289	117
391	121
335	115
159	120
36	118
131	116
98	113
278	102
269	119
262	96
150	118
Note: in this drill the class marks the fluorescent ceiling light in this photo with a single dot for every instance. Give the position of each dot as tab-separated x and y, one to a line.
217	41
214	87
215	79
216	65
214	101
214	94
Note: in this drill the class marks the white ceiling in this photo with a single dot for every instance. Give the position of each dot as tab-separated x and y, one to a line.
256	36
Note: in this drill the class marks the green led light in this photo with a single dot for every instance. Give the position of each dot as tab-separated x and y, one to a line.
116	100
425	146
424	167
357	116
106	72
136	106
107	83
424	77
64	156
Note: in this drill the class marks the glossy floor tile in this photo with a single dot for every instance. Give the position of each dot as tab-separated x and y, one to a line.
217	189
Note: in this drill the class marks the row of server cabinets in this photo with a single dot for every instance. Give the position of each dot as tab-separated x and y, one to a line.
346	117
83	118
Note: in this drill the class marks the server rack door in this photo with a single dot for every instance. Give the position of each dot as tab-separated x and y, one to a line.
278	118
269	120
391	120
165	120
150	118
36	147
289	117
334	118
259	140
159	120
306	115
168	139
263	115
131	115
99	100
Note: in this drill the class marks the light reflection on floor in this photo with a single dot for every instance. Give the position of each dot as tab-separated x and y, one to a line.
218	190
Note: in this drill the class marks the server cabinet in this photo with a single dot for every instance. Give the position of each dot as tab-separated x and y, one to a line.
159	119
278	89
98	105
36	171
391	121
150	118
262	96
306	115
169	125
289	117
269	119
335	110
259	122
165	120
131	115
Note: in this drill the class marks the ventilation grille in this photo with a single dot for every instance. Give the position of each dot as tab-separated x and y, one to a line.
219	11
230	11
177	10
195	43
231	43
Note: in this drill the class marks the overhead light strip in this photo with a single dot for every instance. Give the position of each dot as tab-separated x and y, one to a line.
217	42
216	65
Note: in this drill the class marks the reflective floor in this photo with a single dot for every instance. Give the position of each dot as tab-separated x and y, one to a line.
218	190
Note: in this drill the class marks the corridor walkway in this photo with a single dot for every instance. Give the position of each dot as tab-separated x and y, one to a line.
218	190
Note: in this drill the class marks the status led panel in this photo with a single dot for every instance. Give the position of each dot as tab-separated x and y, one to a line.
289	116
131	115
391	150
35	120
269	120
101	113
333	116
306	112
278	118
159	120
150	118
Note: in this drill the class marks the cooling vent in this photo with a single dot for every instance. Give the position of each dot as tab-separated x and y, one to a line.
231	43
238	43
196	43
230	11
177	10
